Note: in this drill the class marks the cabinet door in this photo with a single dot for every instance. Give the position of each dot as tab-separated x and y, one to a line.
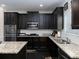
52	22
45	21
33	17
75	14
10	18
52	48
6	18
22	21
25	18
43	42
60	22
41	24
55	21
58	18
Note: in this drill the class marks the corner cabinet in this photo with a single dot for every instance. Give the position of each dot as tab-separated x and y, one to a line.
58	18
75	14
46	21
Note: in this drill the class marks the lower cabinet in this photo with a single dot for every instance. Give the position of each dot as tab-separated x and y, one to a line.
35	42
53	48
56	52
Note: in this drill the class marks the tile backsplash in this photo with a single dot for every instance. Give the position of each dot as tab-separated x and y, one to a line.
40	32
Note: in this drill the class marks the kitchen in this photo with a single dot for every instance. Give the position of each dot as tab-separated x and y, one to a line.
49	28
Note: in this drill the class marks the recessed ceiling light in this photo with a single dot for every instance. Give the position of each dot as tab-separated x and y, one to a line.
41	5
3	5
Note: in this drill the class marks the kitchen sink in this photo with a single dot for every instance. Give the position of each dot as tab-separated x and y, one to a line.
62	41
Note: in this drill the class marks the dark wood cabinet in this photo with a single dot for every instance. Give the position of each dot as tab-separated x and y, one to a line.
58	18
75	14
29	39
53	48
23	18
33	17
10	18
35	42
46	21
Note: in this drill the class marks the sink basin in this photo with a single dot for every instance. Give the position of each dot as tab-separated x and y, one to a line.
62	41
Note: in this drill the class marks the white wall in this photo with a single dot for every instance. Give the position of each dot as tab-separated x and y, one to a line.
1	24
72	34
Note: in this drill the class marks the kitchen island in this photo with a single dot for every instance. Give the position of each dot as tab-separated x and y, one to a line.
13	50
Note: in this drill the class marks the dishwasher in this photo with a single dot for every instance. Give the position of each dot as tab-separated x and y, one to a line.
62	54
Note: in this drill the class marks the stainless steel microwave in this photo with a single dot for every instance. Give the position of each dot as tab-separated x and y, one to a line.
32	25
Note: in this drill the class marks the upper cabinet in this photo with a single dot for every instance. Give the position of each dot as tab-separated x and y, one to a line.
22	21
10	18
75	14
46	21
31	19
58	18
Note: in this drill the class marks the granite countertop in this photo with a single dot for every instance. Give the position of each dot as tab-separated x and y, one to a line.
72	50
11	47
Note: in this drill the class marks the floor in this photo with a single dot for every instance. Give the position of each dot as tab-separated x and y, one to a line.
34	54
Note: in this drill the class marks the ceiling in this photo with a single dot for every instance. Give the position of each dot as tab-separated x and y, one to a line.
31	5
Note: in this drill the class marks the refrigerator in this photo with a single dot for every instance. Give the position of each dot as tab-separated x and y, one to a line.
10	32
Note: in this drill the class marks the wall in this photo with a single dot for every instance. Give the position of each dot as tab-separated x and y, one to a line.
1	24
72	34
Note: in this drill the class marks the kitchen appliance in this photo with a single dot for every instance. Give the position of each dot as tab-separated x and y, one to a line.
32	25
10	32
62	55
